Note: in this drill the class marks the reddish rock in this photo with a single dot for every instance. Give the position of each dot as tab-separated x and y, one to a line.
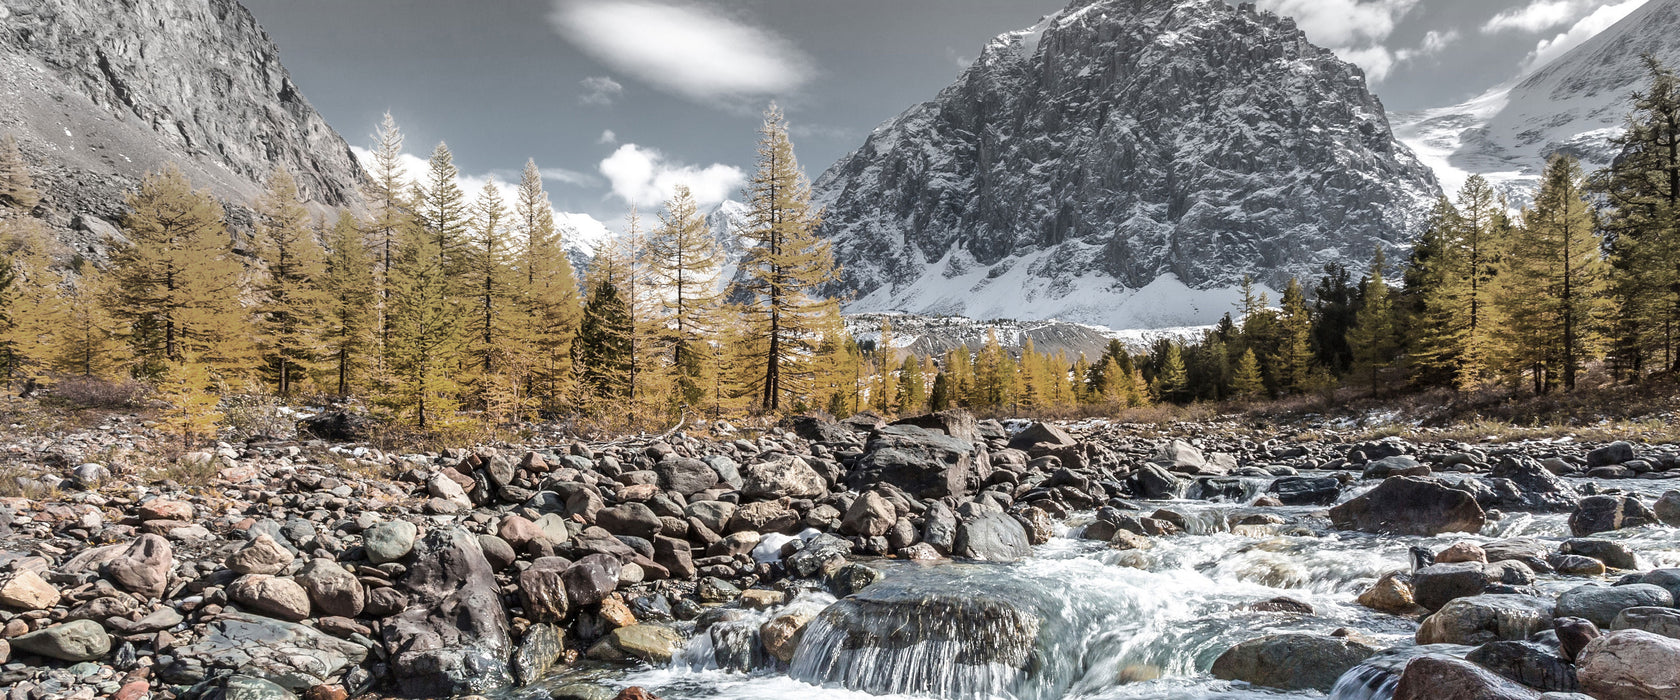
133	690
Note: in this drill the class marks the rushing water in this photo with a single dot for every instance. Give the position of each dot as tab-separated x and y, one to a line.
1082	621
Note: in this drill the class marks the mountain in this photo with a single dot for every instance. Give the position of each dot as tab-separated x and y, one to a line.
1575	104
1124	163
935	335
99	93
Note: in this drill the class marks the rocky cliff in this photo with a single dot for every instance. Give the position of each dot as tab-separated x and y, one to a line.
99	93
1123	162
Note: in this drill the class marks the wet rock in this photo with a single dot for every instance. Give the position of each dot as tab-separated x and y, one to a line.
1486	618
1662	621
539	651
1609	455
781	634
1434	586
854	577
939	527
650	643
26	590
817	554
1630	665
1600	604
1306	490
924	463
261	555
870	516
297	655
1667	508
1573	634
1291	661
253	688
389	542
1536	488
79	640
1392	594
453	639
1528	663
591	579
1407	505
1434	677
276	596
1461	552
1598	514
633	519
788	476
1614	554
1398	465
992	537
144	567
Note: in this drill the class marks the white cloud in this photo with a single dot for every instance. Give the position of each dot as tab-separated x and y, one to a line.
600	90
1539	15
608	137
1433	42
1588	27
646	177
1355	29
570	177
691	51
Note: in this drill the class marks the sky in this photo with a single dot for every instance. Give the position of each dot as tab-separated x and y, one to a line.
618	101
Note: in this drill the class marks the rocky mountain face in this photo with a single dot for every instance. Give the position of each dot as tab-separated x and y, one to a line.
1170	146
1575	104
99	93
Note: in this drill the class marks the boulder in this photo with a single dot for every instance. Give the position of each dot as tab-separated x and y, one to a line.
1434	677
1398	465
1600	604
539	652
1536	488
1409	505
992	537
1306	490
685	476
781	634
923	463
1435	585
591	579
1533	665
788	476
1486	618
1597	514
144	567
296	656
261	555
1291	661
338	426
275	596
647	642
1392	594
957	423
1573	634
1614	554
870	516
1662	621
453	639
78	640
1041	434
1667	508
1630	665
542	593
26	590
1180	456
389	542
1156	483
633	519
1609	455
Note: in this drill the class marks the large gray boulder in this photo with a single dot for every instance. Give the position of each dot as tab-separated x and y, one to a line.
1630	665
1600	604
78	640
924	463
453	639
1597	514
1410	505
1486	618
1291	661
992	537
296	656
1434	677
786	476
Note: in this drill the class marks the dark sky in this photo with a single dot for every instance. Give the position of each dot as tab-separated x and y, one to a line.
620	99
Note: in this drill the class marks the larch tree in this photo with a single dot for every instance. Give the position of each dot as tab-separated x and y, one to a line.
1553	297
1435	300
498	359
425	312
1372	338
912	388
551	300
683	266
1482	238
176	284
994	374
883	394
443	213
1294	358
1246	381
191	391
386	192
350	320
289	285
1171	378
785	267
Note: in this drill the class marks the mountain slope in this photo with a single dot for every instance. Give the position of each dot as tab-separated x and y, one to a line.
1123	162
99	93
1574	104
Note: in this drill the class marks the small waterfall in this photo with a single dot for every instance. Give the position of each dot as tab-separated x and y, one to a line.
1365	682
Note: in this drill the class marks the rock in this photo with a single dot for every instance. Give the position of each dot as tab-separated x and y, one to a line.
1433	677
1630	665
870	516
992	537
1155	483
1392	594
1598	514
144	567
389	542
276	596
497	551
788	476
1461	552
333	590
165	509
539	651
1600	604
818	552
1486	618
1409	505
939	527
441	485
1614	554
297	656
261	555
957	423
819	429
685	476
854	577
591	579
1041	434
1291	661
1433	586
651	643
78	640
1533	665
253	688
716	590
633	519
542	592
1398	465
1180	456
1537	488
1612	454
1669	579
923	463
781	634
453	639
338	426
26	590
1573	635
326	692
1663	621
1306	490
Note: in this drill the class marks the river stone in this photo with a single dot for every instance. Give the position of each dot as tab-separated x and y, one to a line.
1667	508
275	596
591	579
261	555
1486	618
253	688
633	519
1435	585
788	476
1179	456
1041	434
685	476
1291	661
715	515
1663	621
1669	579
453	639
541	591
924	463
1392	594
293	655
1409	505
144	567
1306	490
389	542
78	640
939	527
651	643
781	634
956	423
1434	677
26	590
1527	550
1614	554
1154	482
1533	665
539	651
1598	514
1630	665
497	551
817	553
1573	634
332	589
870	516
1600	604
992	537
1612	454
1398	465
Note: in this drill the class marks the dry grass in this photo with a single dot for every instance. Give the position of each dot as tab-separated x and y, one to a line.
15	482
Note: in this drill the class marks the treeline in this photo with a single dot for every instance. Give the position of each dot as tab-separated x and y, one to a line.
437	306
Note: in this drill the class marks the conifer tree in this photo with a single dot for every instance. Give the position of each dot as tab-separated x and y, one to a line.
386	191
1482	237
442	212
683	268
1372	338
189	388
425	323
176	283
912	390
941	397
603	344
88	344
291	301
1171	378
1246	381
994	374
884	394
839	365
785	267
1434	310
1295	355
1556	281
349	317
497	355
17	187
553	306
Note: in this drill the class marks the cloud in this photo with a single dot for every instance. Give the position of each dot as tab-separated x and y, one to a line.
688	50
1538	16
1355	29
570	177
1586	28
608	137
1433	42
600	90
645	176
